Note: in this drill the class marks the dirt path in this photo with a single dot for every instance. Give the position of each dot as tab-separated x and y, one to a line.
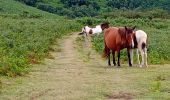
65	77
78	73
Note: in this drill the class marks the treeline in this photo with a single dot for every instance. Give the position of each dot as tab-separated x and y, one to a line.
82	8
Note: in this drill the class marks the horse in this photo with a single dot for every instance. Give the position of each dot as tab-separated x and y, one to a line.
140	42
116	39
96	30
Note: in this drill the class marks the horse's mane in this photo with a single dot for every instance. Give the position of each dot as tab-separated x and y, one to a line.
121	31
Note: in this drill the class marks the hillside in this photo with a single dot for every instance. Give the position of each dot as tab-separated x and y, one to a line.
26	34
17	8
47	59
84	8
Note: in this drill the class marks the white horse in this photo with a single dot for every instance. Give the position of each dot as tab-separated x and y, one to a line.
97	30
140	41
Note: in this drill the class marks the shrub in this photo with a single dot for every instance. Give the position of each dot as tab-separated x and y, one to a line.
46	7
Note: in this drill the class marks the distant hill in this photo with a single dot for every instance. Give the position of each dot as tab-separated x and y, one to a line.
15	7
81	8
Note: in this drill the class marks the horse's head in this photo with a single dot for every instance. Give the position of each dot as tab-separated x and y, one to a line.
104	26
129	36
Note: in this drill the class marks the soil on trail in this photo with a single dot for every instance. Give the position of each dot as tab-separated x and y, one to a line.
64	77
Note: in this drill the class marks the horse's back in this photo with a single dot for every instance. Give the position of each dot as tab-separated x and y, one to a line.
111	37
111	30
141	36
97	29
141	33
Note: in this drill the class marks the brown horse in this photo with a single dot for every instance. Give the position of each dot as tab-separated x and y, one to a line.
116	39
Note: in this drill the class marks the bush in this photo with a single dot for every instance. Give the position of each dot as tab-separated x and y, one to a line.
150	13
46	7
90	21
29	2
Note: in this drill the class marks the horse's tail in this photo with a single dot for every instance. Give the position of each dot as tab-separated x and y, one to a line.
81	33
104	55
105	52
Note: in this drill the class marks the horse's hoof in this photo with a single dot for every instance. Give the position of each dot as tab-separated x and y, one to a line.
109	65
118	66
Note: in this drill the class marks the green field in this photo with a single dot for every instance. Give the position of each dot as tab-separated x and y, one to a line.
43	58
26	34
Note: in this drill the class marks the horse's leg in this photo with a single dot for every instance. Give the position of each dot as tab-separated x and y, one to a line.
113	54
118	61
129	58
137	51
107	54
109	64
142	54
146	64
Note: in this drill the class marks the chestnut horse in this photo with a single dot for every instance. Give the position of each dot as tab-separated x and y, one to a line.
116	39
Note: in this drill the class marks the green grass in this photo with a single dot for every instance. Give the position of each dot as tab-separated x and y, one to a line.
12	7
158	36
26	34
107	82
76	79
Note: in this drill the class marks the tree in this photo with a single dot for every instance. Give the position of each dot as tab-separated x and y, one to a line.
29	2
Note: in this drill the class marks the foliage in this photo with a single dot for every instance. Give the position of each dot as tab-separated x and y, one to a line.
29	2
131	4
150	13
46	7
84	8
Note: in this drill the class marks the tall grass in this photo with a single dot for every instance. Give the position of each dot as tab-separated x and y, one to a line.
26	34
25	41
13	7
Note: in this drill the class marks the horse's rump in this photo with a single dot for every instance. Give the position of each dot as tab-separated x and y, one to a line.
114	37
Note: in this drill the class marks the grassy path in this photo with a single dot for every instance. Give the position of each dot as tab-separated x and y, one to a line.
78	73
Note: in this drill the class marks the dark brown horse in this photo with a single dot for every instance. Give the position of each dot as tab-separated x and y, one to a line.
116	39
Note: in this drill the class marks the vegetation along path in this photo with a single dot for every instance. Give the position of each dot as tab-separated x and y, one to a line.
77	72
